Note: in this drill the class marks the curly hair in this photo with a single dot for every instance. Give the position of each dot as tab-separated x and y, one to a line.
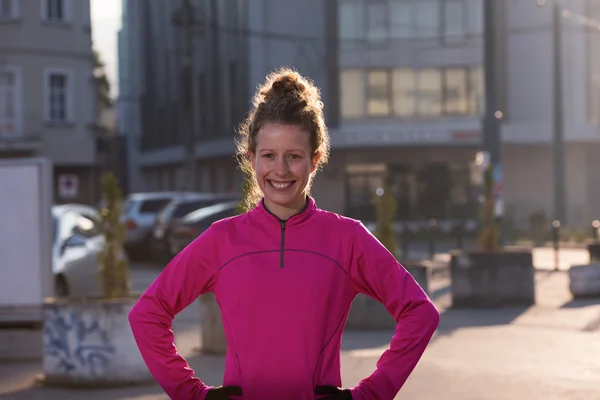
286	97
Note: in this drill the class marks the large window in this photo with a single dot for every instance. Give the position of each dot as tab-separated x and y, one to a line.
10	105
379	22
411	93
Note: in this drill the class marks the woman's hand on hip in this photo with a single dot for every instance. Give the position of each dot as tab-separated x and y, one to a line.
335	393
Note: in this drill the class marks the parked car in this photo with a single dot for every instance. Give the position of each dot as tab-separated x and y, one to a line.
77	241
139	214
173	212
184	231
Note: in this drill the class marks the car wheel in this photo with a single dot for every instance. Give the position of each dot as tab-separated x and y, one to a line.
61	286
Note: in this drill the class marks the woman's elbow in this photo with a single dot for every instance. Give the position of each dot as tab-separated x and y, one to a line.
431	316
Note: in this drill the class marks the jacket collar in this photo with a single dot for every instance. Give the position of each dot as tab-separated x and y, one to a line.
309	209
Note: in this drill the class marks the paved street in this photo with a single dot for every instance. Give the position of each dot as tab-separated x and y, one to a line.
549	351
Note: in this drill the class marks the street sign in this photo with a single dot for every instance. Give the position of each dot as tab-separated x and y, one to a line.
68	186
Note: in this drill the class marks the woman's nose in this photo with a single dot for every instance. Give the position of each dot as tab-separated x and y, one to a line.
282	167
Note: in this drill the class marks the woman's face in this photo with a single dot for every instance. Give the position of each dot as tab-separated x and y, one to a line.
283	165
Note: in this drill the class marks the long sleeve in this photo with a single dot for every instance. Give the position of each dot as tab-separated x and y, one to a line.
192	272
375	272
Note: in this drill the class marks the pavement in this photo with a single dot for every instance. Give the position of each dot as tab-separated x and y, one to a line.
544	352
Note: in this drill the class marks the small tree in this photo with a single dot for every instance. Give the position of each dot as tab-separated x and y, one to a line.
114	268
385	206
488	236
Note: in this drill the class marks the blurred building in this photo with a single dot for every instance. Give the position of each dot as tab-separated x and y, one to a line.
232	55
402	82
47	100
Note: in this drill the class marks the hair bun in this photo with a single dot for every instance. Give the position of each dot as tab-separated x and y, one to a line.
285	86
289	87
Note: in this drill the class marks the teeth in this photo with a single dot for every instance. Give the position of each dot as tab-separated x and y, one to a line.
279	185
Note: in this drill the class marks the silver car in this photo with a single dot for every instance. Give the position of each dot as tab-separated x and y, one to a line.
76	244
139	214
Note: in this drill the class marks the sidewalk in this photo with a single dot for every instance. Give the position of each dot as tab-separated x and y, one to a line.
549	351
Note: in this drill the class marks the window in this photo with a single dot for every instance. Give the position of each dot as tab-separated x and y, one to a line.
59	89
351	20
154	205
9	9
476	91
456	96
404	88
427	19
401	20
410	93
377	21
10	102
430	92
475	17
378	101
352	89
454	21
56	10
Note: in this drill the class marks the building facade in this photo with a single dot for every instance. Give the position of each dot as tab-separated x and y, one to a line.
47	100
403	85
235	46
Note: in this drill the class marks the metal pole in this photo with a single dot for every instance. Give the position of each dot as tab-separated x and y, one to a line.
492	141
558	145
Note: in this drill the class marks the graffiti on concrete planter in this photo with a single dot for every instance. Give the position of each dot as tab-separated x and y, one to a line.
76	342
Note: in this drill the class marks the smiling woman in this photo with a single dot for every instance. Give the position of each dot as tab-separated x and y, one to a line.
284	274
283	142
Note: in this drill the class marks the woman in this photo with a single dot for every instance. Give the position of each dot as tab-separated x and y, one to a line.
284	274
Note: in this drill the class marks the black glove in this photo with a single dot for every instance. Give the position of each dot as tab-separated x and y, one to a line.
335	392
223	392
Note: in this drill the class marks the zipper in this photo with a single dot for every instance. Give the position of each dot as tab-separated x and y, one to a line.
281	253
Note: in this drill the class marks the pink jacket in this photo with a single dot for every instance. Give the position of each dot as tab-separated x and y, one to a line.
284	289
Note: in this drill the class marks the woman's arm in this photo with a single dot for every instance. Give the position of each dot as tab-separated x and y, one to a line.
192	272
375	272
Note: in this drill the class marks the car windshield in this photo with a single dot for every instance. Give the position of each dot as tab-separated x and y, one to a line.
154	205
186	208
200	214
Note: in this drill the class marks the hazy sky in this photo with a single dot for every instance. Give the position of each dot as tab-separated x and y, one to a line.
106	23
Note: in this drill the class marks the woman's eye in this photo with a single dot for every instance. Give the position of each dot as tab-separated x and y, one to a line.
268	155
294	156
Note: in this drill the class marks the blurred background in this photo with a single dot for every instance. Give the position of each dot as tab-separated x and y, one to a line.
155	89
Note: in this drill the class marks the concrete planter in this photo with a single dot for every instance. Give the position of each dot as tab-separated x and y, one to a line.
594	251
368	313
584	280
88	343
211	326
492	279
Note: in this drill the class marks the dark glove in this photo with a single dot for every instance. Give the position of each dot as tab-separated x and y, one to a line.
223	392
335	393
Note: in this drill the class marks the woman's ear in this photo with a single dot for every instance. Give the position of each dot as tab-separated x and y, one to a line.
252	157
315	161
